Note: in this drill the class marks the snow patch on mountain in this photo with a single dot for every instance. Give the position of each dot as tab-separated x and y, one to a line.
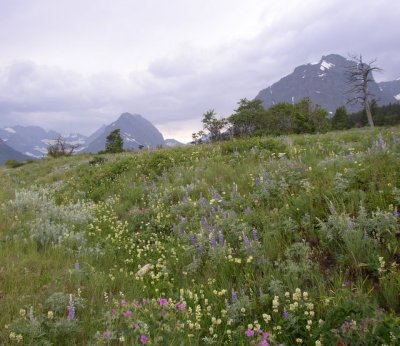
9	129
326	65
397	97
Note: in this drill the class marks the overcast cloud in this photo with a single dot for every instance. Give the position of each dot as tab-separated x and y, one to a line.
73	65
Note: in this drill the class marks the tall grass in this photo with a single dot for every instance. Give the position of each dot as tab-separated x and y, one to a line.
291	240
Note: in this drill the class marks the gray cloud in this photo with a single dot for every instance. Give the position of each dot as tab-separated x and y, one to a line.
173	88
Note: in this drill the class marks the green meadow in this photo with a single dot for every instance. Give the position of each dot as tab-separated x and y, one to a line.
290	240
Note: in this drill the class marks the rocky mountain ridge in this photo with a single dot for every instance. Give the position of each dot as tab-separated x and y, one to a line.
325	83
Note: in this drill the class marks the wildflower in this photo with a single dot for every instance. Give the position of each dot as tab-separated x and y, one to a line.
234	296
181	306
285	314
71	309
163	302
128	313
249	332
255	235
143	339
22	312
12	335
318	343
19	338
50	315
107	334
266	318
144	270
121	339
299	340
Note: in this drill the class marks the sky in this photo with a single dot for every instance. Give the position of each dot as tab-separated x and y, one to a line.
74	65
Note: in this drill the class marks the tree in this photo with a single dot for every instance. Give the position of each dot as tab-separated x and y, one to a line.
248	117
213	125
359	77
114	142
341	120
61	147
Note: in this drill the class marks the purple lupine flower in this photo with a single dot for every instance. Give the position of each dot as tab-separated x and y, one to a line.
234	297
258	181
247	210
213	241
71	311
255	235
285	314
193	239
246	241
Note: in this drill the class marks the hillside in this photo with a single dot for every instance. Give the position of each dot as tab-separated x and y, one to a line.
289	240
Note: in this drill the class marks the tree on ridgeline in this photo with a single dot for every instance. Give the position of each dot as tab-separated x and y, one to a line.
213	125
60	147
248	117
114	142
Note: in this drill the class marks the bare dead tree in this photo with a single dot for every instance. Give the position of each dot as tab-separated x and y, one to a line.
61	147
359	77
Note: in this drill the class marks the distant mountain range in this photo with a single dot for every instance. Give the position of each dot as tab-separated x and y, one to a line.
31	142
325	83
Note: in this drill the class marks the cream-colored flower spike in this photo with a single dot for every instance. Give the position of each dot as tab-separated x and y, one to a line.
145	269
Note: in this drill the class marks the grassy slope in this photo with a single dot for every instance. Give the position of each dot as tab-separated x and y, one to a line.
322	207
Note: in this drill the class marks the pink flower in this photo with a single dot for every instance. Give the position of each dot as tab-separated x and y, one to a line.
264	343
107	334
181	306
163	302
143	339
249	332
128	313
123	302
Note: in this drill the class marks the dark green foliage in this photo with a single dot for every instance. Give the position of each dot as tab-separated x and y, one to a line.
114	142
14	163
248	117
341	120
383	115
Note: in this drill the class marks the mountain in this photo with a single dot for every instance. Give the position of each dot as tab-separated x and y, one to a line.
170	142
391	88
135	131
325	83
34	140
8	153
